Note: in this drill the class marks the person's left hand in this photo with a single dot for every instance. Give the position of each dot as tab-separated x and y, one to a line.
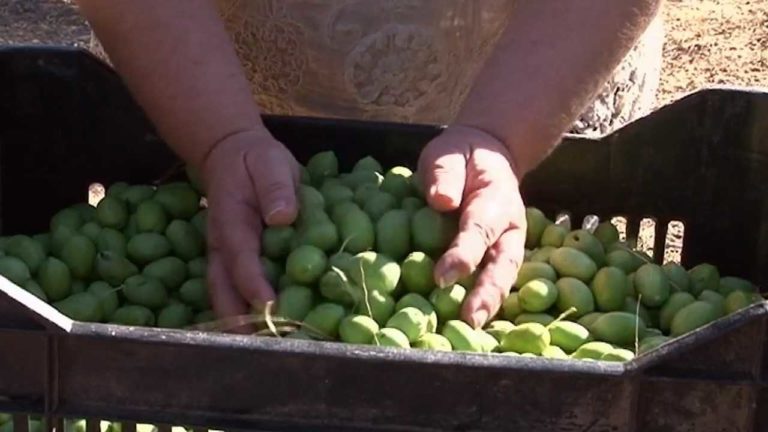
251	180
465	168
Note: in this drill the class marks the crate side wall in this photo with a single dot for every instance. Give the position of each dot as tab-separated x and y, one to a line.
24	373
260	388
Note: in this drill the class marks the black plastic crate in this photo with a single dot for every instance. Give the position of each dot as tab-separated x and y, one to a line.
66	121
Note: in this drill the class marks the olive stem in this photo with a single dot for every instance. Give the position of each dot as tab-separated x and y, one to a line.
562	316
268	318
226	323
344	244
645	260
365	298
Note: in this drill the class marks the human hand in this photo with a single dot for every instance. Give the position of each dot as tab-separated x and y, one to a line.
249	177
468	169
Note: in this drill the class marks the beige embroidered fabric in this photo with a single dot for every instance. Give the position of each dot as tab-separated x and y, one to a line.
396	60
403	60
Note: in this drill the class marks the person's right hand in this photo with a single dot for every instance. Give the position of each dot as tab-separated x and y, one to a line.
249	177
467	169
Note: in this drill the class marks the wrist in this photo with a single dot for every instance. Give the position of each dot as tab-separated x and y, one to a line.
489	136
236	141
528	139
235	137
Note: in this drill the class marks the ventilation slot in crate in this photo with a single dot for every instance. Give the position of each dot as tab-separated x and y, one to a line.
24	423
647	234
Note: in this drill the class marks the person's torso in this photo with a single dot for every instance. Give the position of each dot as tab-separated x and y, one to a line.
391	60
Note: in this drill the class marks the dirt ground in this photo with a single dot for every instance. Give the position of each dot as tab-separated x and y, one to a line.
707	42
41	22
714	42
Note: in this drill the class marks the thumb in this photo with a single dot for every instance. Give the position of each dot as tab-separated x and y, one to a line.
443	167
271	172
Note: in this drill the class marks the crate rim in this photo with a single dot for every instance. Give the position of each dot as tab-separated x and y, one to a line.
60	325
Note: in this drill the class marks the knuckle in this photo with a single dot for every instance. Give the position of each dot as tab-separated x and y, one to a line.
464	264
500	291
462	258
484	232
275	186
492	294
246	263
507	258
504	280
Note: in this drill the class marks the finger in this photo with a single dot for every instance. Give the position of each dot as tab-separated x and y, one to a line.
489	207
444	176
496	279
226	302
236	232
274	179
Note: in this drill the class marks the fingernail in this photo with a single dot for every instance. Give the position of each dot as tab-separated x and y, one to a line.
449	278
276	211
479	318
